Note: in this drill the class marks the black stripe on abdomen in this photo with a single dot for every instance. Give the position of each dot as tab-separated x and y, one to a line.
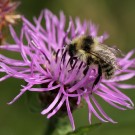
108	69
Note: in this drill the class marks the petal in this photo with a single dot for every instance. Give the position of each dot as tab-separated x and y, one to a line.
45	89
101	110
51	106
70	114
21	93
125	86
91	109
4	78
55	110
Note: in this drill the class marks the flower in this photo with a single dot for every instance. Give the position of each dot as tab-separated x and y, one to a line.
7	15
46	63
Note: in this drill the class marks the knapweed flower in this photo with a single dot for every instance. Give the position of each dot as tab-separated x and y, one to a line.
7	15
46	63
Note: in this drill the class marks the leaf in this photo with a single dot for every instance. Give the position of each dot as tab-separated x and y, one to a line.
63	127
84	130
33	101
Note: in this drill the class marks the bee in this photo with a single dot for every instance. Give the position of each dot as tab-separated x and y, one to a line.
91	51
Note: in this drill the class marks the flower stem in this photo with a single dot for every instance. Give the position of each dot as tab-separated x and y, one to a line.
51	126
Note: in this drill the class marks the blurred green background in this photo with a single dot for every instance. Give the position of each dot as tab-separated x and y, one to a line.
115	17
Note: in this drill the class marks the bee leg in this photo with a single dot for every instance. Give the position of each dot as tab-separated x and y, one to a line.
98	77
89	62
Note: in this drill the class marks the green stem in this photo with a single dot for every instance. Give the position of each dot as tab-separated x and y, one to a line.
51	126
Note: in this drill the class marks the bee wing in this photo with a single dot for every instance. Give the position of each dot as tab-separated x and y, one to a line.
102	55
106	54
113	49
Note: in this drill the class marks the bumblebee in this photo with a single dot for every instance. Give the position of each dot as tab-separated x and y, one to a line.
90	51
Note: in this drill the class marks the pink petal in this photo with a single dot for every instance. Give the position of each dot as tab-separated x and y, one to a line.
57	108
70	114
55	101
21	93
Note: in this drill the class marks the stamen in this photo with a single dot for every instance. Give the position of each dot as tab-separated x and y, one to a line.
76	60
57	55
86	70
71	62
64	56
68	61
79	67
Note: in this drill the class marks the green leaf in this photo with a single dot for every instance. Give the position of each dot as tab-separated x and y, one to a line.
33	101
84	130
63	127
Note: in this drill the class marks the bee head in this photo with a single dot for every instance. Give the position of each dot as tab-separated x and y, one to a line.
87	41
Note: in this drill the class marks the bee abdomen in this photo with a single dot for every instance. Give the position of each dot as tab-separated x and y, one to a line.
108	70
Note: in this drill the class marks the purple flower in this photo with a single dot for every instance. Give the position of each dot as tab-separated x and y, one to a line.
45	62
7	15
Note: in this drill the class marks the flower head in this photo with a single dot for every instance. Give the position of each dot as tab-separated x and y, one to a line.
7	15
46	63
